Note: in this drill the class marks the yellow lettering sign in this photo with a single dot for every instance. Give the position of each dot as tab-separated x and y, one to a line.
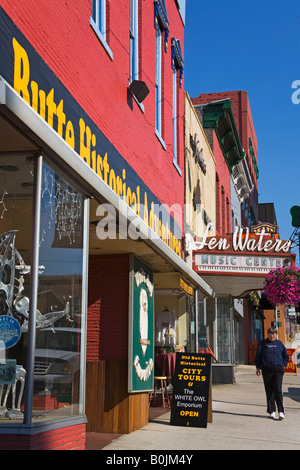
46	106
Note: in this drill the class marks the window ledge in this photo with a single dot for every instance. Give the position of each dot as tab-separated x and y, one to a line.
163	144
140	105
101	38
176	166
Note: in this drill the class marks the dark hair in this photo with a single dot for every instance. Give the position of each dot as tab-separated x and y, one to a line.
272	330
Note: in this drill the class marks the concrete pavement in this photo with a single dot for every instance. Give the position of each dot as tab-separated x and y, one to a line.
240	421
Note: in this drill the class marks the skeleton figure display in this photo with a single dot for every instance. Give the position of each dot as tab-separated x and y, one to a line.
14	412
14	309
12	301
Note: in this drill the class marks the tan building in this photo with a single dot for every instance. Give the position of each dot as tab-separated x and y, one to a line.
200	167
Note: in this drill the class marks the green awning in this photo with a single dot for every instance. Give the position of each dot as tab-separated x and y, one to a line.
218	115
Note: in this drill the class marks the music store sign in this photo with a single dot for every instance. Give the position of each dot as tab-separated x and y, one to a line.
242	253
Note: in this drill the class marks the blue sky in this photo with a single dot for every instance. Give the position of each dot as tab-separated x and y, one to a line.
254	45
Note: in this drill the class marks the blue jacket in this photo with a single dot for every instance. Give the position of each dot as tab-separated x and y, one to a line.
271	355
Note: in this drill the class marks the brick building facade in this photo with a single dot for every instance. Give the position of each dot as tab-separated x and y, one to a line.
92	127
241	111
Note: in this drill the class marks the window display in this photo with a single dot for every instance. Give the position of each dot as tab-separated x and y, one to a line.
59	314
166	323
16	183
58	342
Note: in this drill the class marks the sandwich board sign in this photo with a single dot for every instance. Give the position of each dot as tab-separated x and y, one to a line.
292	364
191	386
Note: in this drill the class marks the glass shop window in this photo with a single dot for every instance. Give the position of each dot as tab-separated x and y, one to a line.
57	368
223	330
100	23
16	200
202	335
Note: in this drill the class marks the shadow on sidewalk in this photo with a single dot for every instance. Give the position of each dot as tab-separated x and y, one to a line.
293	394
240	414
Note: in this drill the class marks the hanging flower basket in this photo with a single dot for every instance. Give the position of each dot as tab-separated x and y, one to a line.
282	286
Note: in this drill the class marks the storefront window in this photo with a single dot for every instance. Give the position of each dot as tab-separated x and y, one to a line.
59	302
191	326
202	339
16	200
57	381
223	330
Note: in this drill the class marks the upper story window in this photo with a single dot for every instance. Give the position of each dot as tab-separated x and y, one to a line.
134	40
162	33
137	87
99	22
181	4
158	86
177	66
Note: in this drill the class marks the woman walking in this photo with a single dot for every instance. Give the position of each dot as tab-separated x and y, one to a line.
271	360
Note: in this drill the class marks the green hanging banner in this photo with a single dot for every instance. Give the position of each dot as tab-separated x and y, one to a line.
141	327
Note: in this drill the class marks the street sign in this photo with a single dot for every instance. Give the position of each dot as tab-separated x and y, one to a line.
295	213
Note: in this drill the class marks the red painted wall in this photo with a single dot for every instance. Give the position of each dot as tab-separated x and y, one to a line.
61	33
107	323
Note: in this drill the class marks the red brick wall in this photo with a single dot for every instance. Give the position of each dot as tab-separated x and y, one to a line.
69	438
107	320
241	111
245	126
224	182
60	32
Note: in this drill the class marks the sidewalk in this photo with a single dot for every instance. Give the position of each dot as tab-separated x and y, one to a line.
240	421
